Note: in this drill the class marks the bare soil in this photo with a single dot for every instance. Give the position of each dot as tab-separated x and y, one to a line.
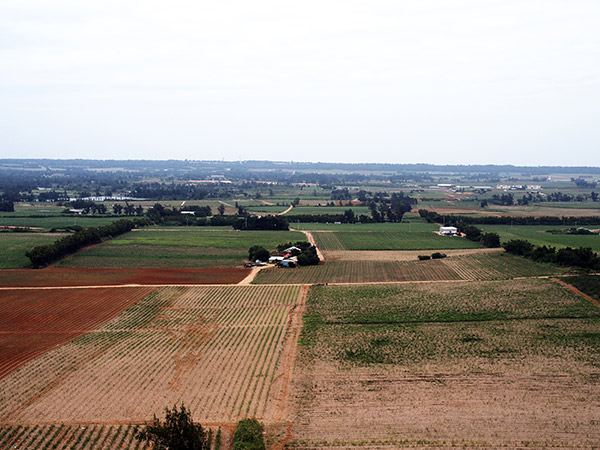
395	255
67	276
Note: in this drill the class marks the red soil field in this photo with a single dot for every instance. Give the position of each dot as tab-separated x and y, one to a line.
33	321
67	276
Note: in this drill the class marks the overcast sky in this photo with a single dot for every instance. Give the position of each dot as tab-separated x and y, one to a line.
437	81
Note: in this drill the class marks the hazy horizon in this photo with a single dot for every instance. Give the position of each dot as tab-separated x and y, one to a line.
428	82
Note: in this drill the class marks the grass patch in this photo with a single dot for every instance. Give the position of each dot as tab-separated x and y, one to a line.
179	247
14	245
391	240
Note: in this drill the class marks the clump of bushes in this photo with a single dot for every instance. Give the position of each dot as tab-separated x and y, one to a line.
572	257
436	255
248	435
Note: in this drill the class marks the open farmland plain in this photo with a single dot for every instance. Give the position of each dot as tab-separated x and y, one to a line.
179	247
473	365
227	352
485	266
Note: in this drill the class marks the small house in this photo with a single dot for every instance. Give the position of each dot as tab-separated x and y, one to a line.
276	259
448	231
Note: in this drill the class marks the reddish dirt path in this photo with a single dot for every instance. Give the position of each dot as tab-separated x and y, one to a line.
577	291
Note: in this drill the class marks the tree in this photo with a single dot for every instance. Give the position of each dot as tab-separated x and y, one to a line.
221	209
177	432
259	253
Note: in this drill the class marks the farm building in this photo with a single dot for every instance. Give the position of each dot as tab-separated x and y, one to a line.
448	231
276	259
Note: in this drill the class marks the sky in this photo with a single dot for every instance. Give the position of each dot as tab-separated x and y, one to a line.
432	81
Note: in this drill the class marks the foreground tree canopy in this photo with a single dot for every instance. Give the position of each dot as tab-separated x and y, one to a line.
177	432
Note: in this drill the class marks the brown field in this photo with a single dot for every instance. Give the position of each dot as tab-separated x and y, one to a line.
473	266
66	276
34	321
444	372
399	255
226	351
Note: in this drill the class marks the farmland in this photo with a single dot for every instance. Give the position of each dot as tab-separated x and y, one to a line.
34	321
47	223
14	245
179	247
411	224
538	235
473	364
65	276
222	350
489	266
389	240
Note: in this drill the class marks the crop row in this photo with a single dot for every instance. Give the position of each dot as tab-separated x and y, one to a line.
82	437
216	348
359	271
495	266
33	321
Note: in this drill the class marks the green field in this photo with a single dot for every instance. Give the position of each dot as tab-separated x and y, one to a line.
179	247
317	210
446	302
47	223
537	235
14	245
389	240
409	225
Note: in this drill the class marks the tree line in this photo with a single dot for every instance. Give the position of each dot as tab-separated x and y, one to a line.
449	219
582	257
42	255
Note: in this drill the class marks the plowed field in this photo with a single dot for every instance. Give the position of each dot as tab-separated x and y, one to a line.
34	321
225	351
495	364
489	266
59	276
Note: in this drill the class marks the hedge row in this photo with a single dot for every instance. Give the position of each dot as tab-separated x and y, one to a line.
42	255
572	257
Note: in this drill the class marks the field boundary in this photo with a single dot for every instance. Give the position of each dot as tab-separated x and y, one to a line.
577	291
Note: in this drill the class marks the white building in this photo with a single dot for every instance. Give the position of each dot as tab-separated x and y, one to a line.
448	231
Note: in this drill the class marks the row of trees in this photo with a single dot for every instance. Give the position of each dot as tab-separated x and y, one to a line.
42	255
7	206
449	219
571	257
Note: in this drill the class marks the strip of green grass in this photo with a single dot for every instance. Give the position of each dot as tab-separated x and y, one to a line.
14	245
